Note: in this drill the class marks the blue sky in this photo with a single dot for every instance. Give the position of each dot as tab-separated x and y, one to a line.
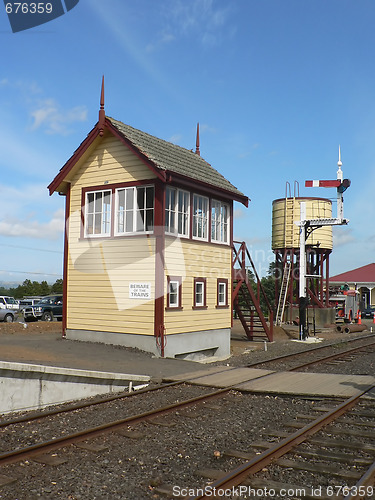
276	86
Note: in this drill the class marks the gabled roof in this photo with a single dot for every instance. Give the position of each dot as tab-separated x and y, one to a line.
364	274
163	157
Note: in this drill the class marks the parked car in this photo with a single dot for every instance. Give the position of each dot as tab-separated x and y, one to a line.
368	312
28	302
9	303
47	309
6	315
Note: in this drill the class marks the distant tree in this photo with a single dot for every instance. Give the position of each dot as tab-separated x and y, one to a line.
44	288
5	291
57	287
269	286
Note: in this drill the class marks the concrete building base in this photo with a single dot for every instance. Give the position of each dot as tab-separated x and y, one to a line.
202	346
28	386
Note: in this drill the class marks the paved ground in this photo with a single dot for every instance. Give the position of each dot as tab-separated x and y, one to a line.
41	343
50	349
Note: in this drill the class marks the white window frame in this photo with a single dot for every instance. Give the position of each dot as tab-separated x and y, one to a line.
106	221
200	219
176	212
200	282
220	225
174	293
196	302
224	293
134	210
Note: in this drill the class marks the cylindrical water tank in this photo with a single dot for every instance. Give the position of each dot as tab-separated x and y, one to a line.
285	211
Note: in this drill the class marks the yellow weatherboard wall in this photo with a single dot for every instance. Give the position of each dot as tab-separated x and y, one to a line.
285	211
190	260
100	269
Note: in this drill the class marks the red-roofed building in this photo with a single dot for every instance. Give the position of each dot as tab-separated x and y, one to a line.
361	279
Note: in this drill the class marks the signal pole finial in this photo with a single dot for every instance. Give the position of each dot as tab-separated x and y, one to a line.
197	150
339	164
101	111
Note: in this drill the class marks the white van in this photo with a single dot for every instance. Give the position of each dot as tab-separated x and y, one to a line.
9	303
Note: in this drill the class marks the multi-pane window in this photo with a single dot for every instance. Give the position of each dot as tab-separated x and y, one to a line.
199	292
200	217
174	292
219	221
177	211
98	213
222	292
134	210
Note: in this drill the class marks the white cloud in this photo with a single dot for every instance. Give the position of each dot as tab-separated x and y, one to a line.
199	17
28	228
175	139
54	120
45	112
342	237
163	39
238	213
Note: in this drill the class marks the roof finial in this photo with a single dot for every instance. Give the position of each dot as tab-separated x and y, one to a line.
339	163
101	111
197	151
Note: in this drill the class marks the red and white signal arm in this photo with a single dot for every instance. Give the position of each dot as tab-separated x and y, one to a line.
337	183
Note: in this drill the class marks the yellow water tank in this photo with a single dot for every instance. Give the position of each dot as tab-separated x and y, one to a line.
285	211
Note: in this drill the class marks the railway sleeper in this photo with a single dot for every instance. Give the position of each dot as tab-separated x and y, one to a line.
342	420
320	454
343	444
354	411
349	432
48	459
331	470
4	480
302	452
331	443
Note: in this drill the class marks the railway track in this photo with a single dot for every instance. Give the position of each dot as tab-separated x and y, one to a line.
367	345
131	420
312	448
46	448
39	415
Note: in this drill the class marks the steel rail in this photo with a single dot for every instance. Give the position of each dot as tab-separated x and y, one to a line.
80	406
239	474
331	357
357	492
101	400
53	444
307	351
17	455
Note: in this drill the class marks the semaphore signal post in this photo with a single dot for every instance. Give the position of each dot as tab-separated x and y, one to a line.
307	226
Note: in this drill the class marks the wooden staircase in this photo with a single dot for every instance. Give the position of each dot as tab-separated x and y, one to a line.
245	301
